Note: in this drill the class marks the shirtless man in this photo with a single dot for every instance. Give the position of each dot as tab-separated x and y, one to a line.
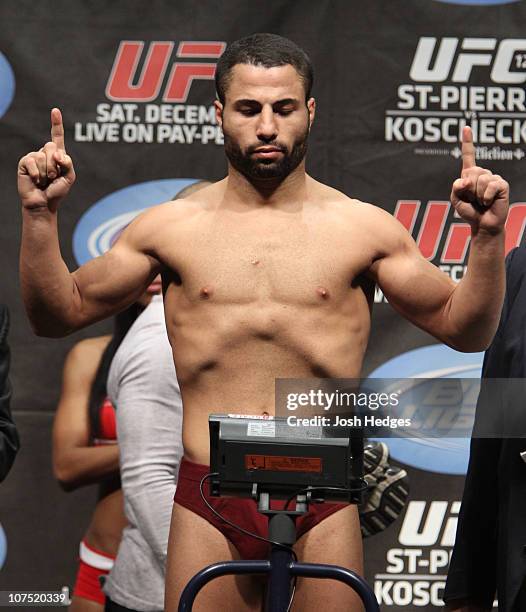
267	273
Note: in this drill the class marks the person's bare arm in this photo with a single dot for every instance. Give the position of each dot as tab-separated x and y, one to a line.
57	301
464	315
75	461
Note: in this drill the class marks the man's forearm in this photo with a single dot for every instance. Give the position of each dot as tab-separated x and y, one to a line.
475	304
48	289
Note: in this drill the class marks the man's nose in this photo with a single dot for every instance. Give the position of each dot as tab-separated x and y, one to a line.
267	130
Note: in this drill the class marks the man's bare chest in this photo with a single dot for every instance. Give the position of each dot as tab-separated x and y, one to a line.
283	262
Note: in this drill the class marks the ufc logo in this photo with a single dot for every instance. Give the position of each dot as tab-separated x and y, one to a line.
439	519
509	53
125	85
459	234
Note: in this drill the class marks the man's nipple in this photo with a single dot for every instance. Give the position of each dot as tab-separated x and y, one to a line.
323	293
205	293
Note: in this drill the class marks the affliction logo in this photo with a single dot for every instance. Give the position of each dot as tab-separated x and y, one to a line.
440	99
148	92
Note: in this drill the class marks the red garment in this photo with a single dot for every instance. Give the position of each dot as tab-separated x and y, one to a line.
107	424
88	583
242	512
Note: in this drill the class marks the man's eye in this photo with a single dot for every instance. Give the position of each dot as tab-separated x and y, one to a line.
248	112
285	111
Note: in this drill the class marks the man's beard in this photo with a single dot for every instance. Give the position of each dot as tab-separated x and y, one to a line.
256	168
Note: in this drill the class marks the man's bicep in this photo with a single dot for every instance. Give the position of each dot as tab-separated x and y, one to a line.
416	288
107	284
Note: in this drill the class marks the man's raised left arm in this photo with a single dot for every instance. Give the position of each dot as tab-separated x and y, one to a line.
464	315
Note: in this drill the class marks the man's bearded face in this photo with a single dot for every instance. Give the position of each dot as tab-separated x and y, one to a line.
255	166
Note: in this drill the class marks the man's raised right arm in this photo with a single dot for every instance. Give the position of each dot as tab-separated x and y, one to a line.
57	301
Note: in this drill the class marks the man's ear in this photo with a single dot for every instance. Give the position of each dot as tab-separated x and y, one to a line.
219	113
311	107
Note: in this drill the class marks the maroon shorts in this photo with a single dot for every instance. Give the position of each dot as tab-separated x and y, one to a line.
242	512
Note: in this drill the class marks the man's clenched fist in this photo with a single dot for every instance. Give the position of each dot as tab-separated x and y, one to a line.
46	176
480	197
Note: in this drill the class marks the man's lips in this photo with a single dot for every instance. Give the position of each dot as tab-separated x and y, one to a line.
267	151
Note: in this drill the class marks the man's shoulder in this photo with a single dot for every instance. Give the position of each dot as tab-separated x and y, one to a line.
330	196
355	209
168	213
173	213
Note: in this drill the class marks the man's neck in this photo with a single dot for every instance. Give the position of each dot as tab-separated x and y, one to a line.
268	193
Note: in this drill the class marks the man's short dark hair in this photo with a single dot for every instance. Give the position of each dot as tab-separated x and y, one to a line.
267	50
